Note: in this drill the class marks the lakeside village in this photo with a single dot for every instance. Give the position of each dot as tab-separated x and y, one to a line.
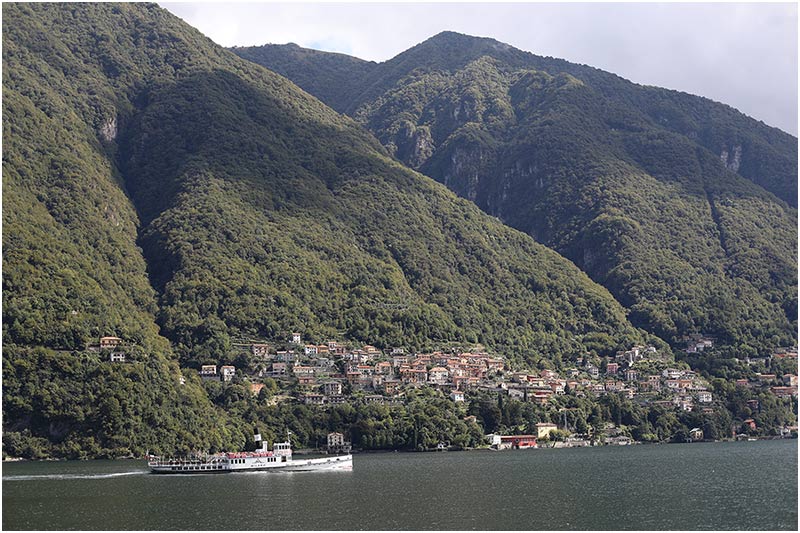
335	373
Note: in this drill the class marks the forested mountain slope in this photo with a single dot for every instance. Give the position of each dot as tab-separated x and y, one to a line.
683	208
158	188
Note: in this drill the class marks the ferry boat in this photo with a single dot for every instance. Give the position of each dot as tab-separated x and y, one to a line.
262	459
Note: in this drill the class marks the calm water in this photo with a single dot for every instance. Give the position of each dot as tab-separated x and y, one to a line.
737	485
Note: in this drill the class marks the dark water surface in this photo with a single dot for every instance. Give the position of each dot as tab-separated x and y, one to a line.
736	485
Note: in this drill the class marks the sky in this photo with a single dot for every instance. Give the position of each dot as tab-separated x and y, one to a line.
744	55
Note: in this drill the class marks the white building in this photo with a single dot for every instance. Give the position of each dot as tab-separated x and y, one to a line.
704	397
438	375
457	396
228	372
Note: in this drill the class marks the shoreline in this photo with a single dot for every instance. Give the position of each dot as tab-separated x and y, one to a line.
433	450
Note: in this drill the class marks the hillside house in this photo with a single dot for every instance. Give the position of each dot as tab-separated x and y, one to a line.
307	381
209	372
227	372
391	386
540	395
438	375
784	392
332	388
495	365
383	368
399	360
260	350
284	356
109	343
457	396
684	403
300	370
313	399
336	399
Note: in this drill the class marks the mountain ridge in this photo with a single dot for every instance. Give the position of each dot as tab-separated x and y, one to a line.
567	153
468	48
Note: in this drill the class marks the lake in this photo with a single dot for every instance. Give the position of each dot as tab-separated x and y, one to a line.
731	485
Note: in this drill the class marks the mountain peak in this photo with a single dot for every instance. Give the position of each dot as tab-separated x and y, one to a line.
451	50
448	36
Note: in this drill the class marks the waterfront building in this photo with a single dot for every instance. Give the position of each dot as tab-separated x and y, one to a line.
543	429
338	444
517	442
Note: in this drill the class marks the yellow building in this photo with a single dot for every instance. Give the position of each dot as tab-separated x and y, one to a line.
543	429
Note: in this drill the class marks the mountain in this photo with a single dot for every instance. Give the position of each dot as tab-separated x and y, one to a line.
331	74
161	189
683	208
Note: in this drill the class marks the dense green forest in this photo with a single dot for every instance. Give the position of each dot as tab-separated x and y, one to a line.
160	189
676	204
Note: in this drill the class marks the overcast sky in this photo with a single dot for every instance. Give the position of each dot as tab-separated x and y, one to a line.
744	55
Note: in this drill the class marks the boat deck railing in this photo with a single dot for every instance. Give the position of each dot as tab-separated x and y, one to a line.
185	461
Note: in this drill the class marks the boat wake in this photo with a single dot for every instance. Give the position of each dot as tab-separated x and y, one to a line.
74	476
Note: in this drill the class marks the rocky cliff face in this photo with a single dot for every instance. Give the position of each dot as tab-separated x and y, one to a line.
733	160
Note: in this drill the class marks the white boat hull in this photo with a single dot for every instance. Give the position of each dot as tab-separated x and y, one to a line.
252	464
